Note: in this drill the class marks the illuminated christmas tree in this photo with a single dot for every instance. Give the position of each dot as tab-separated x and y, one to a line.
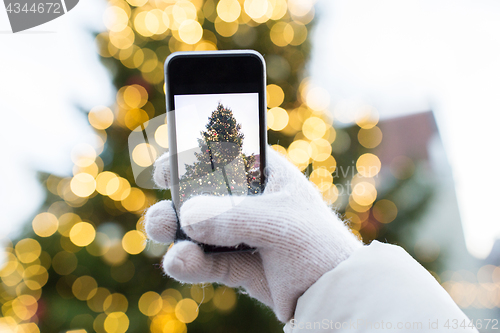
82	262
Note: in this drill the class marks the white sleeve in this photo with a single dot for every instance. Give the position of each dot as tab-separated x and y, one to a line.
379	287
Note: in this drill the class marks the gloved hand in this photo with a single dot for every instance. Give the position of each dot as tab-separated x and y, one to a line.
297	236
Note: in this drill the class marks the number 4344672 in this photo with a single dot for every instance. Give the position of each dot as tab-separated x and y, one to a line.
48	7
478	323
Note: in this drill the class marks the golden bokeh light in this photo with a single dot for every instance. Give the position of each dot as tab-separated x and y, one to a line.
98	324
299	152
132	96
186	310
92	169
135	201
150	303
9	265
122	39
14	277
371	137
364	193
123	191
107	183
132	57
317	98
314	128
161	136
225	29
205	45
116	322
84	287
320	150
134	118
25	306
115	18
279	149
83	184
300	7
274	95
190	31
156	21
299	33
277	118
353	218
68	246
202	293
144	154
96	302
368	165
140	24
330	135
169	304
115	303
331	195
82	234
385	211
322	178
259	10
171	292
45	224
224	299
134	242
329	164
101	117
167	323
358	178
296	120
35	277
229	10
100	245
66	222
279	9
28	250
115	254
282	33
182	11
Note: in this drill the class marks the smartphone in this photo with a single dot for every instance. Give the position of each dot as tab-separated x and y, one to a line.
216	118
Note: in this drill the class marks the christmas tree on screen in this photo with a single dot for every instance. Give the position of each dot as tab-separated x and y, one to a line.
221	168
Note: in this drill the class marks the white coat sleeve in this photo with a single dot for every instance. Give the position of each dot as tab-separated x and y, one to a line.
379	287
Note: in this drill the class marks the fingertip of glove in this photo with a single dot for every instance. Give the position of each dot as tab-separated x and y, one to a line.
161	173
160	222
184	262
173	264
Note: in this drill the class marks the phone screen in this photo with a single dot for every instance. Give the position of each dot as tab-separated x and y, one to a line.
216	105
217	132
218	144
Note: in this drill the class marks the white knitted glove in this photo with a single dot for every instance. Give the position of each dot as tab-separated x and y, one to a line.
297	236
